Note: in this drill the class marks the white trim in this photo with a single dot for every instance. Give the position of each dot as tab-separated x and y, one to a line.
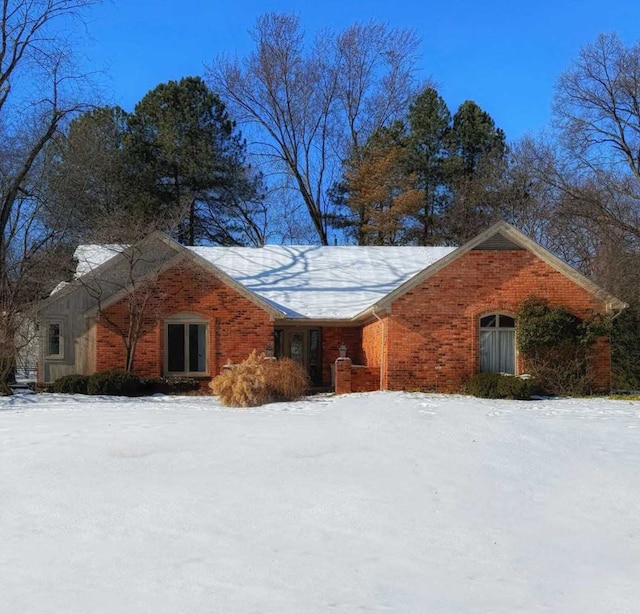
182	254
61	322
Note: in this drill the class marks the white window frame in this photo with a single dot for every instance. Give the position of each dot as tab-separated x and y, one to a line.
61	332
185	319
498	329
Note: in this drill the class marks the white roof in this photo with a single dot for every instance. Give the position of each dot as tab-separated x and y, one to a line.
322	282
90	257
306	281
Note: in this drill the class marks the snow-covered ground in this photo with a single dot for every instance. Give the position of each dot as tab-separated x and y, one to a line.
385	502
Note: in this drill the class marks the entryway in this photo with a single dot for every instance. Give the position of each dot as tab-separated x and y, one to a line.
304	346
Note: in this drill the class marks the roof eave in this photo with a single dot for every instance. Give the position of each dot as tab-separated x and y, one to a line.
228	280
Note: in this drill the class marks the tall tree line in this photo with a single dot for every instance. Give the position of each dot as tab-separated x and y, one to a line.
579	186
428	178
307	104
40	90
341	138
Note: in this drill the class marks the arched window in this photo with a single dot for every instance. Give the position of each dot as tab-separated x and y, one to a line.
497	344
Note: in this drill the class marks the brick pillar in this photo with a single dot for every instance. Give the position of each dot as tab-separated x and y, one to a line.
343	376
600	364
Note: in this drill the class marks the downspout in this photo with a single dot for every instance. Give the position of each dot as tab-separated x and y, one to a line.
382	345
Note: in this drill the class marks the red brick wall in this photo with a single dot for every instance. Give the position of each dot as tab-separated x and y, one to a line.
332	338
433	334
365	379
371	342
342	383
236	325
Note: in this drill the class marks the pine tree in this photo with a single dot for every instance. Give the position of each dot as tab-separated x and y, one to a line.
430	148
193	161
381	191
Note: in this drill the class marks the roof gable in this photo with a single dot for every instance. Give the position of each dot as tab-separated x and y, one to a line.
501	236
97	264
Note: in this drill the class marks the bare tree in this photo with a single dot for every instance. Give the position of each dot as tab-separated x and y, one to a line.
38	93
133	286
547	198
597	109
311	106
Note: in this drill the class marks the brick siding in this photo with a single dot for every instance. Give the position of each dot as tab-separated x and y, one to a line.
236	325
332	338
433	334
365	379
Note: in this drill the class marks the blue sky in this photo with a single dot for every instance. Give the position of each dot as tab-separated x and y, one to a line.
505	55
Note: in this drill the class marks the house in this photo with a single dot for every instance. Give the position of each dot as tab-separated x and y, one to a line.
407	317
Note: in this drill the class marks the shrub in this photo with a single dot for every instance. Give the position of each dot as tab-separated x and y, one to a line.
180	385
625	350
484	385
541	326
286	379
257	381
499	386
243	385
512	387
71	384
555	346
171	385
115	382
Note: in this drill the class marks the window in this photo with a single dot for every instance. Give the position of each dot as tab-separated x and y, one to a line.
186	346
54	342
497	344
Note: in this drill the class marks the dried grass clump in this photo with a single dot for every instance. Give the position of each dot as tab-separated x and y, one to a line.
287	379
257	381
243	385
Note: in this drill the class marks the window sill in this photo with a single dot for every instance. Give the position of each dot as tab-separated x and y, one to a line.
199	374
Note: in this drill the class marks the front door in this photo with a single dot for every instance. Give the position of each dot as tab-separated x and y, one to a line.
303	346
296	344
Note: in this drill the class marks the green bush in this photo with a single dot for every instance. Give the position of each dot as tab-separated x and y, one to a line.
625	350
512	387
115	382
71	384
171	385
541	326
556	346
484	385
499	386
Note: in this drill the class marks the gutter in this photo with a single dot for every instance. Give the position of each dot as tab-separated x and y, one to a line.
382	346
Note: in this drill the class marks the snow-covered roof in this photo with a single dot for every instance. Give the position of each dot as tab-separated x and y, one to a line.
90	257
321	282
306	281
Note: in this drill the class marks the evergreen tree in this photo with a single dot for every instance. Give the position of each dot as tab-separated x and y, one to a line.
176	164
380	190
477	140
456	164
476	172
192	160
430	148
92	178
